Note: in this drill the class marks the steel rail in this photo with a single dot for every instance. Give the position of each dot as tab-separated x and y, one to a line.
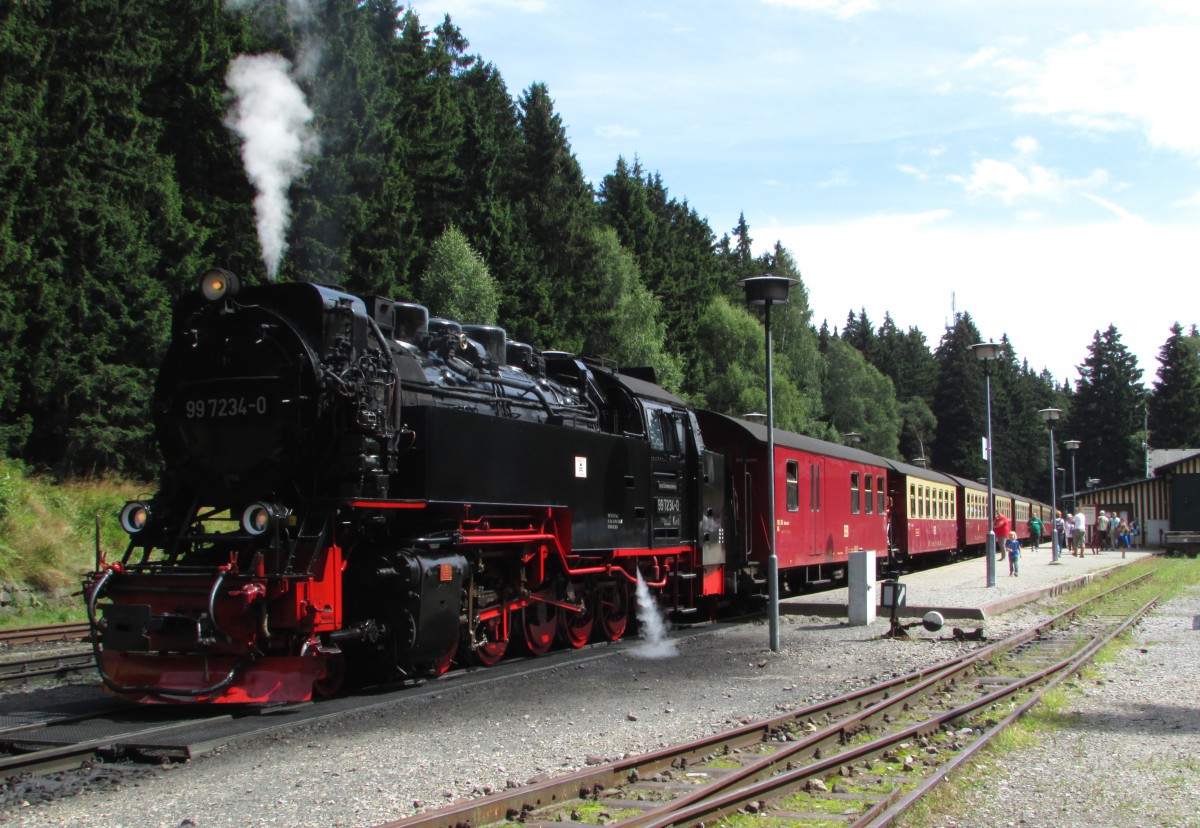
69	631
509	804
714	807
901	804
55	664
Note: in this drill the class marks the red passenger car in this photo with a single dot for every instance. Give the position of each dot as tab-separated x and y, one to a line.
830	500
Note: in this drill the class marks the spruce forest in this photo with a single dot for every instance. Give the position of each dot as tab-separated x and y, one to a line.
126	170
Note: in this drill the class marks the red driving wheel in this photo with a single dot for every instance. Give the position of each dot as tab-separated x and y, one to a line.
612	609
539	621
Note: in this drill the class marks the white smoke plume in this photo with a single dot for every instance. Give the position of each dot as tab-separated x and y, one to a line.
655	643
274	122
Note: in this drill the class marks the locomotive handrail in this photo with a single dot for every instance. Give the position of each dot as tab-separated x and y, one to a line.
157	690
212	604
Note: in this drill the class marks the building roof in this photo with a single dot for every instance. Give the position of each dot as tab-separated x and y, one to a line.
1162	460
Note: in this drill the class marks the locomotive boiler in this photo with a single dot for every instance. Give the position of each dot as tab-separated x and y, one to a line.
351	489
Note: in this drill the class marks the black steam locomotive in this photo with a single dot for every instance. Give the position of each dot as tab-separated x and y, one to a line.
351	488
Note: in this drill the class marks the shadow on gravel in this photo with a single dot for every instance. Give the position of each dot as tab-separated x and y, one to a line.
1148	719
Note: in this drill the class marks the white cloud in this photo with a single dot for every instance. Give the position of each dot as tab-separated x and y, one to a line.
840	177
1022	179
1146	79
1026	145
1114	208
1002	180
1191	201
1050	288
841	9
615	131
466	9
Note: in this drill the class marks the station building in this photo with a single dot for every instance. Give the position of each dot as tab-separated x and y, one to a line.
1168	500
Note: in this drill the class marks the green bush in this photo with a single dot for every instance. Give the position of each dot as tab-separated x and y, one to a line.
48	537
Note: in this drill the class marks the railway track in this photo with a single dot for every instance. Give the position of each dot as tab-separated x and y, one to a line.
36	739
71	631
54	665
860	760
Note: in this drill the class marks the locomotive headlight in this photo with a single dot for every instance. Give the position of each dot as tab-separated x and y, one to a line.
260	516
134	516
218	283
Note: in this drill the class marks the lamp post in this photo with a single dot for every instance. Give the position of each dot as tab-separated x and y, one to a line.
1073	446
766	290
987	352
1050	415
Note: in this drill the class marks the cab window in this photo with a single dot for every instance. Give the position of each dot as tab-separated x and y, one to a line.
854	493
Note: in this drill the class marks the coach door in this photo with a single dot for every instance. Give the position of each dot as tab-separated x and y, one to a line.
819	540
665	431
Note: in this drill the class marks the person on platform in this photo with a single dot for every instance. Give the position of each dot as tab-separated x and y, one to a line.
1101	532
1123	536
1035	532
1013	547
1001	528
1080	535
1060	529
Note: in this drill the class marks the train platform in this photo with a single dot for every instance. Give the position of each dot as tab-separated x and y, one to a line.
959	590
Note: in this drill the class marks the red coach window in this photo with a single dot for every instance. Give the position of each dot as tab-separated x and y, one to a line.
881	505
793	486
854	493
868	495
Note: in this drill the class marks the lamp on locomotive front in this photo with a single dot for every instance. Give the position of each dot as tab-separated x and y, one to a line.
987	352
217	284
1050	415
766	290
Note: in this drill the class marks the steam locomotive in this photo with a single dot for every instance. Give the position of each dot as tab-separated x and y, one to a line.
354	491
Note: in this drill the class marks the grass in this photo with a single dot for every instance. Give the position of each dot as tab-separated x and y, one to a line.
1172	576
47	539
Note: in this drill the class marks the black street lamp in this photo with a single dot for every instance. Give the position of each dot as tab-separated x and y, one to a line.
987	352
1073	446
767	290
1049	415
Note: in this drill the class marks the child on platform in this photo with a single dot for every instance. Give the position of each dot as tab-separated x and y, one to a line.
1014	553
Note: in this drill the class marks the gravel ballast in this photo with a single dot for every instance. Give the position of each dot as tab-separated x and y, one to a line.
389	762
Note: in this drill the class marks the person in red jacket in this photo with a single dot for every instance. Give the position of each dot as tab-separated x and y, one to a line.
1002	529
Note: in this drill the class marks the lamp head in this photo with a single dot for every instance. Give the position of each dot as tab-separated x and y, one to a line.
986	351
766	289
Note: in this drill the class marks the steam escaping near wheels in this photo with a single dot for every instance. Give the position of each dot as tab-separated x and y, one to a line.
655	643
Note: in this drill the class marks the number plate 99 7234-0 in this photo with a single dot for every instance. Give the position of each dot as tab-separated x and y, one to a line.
218	407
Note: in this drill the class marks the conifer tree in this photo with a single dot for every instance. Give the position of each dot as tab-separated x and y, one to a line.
859	398
1107	415
1175	403
959	402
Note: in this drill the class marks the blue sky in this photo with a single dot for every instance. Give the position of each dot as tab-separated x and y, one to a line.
1039	162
